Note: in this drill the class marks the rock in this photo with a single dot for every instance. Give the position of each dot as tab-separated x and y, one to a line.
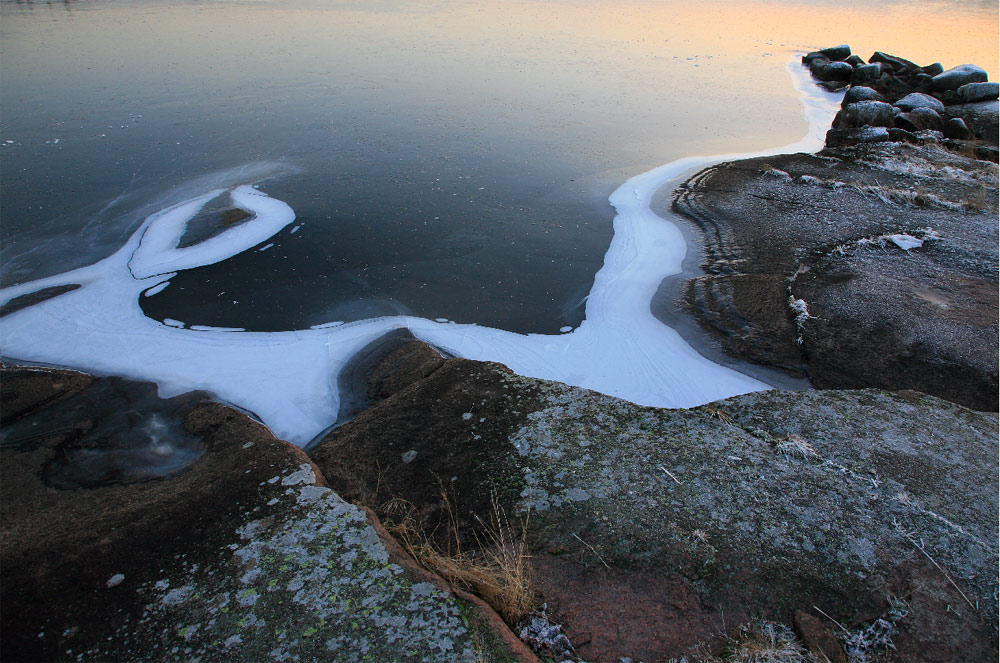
944	342
28	389
898	135
643	519
958	76
215	562
834	86
866	74
814	55
922	83
841	137
918	100
818	638
919	119
865	113
980	117
973	92
818	63
896	64
956	128
408	364
861	93
837	53
837	71
893	86
933	69
855	61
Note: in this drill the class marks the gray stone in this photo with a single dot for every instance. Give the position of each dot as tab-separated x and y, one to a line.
868	73
933	69
981	117
837	53
957	129
973	92
958	76
865	113
841	137
919	119
861	93
919	100
855	61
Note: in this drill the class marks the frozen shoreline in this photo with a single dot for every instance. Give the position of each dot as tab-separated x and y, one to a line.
289	379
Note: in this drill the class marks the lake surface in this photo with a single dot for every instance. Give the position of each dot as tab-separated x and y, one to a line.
447	161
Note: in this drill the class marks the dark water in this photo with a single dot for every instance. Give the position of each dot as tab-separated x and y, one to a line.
450	160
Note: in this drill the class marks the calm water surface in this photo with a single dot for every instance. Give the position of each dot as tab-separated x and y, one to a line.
444	159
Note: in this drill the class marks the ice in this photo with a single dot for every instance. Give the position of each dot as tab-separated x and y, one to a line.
905	241
288	378
157	289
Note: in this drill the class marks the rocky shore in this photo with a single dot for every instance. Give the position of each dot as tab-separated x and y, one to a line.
856	522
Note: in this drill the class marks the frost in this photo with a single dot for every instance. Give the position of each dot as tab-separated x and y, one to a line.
115	580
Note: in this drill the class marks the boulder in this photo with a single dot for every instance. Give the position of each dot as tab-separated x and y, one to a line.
957	129
919	119
933	69
865	113
837	71
919	100
896	64
973	92
958	76
861	93
837	53
841	137
981	117
866	74
855	61
922	83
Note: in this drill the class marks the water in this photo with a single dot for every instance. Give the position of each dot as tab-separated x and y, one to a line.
444	161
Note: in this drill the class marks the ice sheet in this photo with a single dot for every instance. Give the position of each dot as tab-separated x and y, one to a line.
288	379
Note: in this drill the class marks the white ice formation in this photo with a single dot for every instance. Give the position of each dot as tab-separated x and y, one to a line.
289	378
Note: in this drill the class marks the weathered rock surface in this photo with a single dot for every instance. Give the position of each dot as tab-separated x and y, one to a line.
244	555
867	310
958	76
653	530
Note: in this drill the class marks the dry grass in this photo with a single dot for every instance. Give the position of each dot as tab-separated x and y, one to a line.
499	571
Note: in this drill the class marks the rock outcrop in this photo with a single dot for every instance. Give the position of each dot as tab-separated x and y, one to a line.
240	554
862	266
655	530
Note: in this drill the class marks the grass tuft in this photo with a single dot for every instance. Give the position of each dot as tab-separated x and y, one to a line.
499	571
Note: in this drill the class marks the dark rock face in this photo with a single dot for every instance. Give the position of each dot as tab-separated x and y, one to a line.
648	526
958	76
826	232
956	128
843	137
212	563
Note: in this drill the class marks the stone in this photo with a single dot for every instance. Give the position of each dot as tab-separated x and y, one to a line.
818	63
837	53
958	76
956	128
918	100
973	92
861	93
818	638
981	117
919	119
898	135
855	61
841	137
898	65
933	69
814	55
865	113
836	71
922	83
866	73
